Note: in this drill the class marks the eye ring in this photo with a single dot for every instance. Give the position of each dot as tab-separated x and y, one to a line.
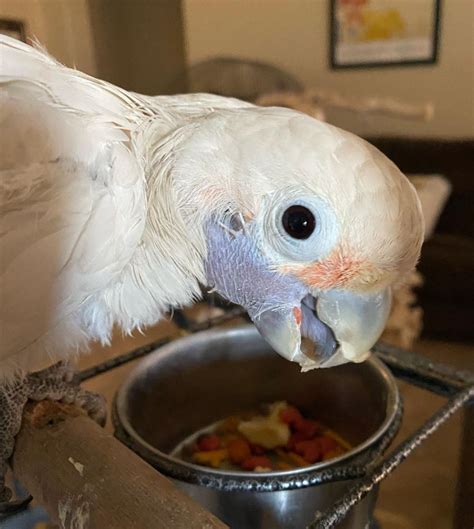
298	222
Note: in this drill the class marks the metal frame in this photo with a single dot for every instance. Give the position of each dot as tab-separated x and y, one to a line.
456	385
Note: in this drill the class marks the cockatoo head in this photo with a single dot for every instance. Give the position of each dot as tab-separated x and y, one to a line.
306	226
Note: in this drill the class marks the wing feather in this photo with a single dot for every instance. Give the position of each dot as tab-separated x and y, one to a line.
73	189
73	205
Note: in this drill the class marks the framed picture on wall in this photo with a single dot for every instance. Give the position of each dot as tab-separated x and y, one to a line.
13	28
373	33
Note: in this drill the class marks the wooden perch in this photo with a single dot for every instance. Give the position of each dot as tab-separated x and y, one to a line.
86	479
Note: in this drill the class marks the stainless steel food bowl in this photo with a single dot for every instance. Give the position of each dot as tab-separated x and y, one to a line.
200	379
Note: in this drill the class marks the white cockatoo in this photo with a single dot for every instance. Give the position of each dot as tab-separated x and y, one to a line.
117	207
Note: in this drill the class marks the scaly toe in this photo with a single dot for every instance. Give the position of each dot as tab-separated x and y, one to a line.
57	383
94	404
7	508
5	495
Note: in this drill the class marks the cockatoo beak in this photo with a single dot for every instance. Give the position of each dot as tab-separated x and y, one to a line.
328	330
315	329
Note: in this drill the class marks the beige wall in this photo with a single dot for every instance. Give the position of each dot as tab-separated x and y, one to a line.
293	34
62	26
137	44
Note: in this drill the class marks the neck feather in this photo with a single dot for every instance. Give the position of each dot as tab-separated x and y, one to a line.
167	267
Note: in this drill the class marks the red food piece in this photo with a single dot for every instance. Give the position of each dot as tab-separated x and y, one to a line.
327	444
310	451
208	442
253	462
308	427
295	438
257	449
290	415
239	450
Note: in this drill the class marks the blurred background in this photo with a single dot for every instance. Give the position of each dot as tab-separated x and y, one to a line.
399	73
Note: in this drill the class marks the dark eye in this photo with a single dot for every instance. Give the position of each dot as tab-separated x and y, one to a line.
298	222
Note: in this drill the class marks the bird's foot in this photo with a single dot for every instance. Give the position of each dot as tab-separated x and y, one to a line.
55	383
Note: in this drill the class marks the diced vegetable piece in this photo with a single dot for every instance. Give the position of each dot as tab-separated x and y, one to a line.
308	427
297	459
252	462
339	440
239	450
290	415
310	451
226	438
290	458
296	438
275	409
257	449
269	431
229	425
331	454
283	465
208	442
211	458
327	444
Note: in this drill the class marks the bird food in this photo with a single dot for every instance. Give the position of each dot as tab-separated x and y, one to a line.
277	438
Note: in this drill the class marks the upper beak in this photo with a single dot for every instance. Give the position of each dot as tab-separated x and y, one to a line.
340	326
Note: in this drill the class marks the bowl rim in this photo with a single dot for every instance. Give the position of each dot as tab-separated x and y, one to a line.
183	469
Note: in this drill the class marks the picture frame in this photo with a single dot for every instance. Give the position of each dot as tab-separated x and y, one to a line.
13	28
383	33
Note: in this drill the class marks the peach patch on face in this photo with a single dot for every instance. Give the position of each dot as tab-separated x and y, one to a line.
336	271
298	316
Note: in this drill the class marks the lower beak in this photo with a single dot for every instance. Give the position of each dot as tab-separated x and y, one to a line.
333	328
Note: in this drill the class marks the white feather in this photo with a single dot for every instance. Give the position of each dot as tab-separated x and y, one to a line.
89	231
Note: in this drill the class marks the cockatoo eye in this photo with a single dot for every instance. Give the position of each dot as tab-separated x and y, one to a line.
297	228
298	222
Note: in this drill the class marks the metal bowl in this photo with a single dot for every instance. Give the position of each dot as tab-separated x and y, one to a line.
195	381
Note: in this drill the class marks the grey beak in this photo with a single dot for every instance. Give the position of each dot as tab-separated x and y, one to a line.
339	327
357	320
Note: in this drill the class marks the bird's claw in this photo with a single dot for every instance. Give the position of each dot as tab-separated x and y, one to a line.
8	508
